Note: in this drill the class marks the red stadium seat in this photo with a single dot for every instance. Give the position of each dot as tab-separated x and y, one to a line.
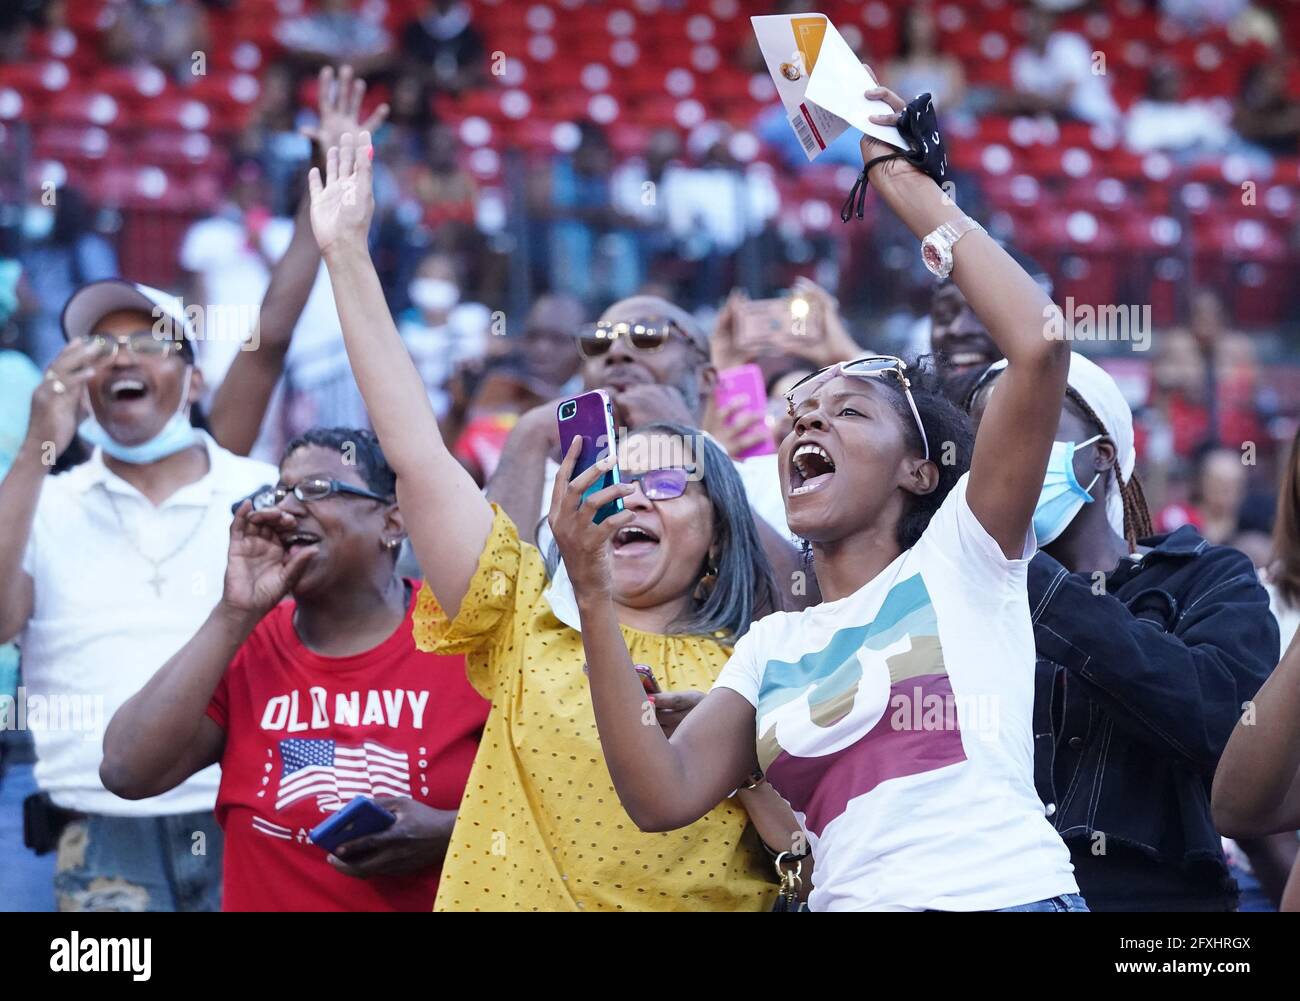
173	149
79	107
174	112
132	86
48	76
83	143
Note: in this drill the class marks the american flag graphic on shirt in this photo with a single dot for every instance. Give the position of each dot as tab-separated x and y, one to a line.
334	773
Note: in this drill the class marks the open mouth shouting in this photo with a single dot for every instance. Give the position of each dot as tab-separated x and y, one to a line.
635	540
811	468
125	388
297	539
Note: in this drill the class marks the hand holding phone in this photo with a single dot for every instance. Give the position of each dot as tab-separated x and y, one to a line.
741	395
359	817
788	325
591	417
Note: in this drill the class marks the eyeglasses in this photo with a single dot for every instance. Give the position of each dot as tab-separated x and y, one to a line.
309	490
144	343
660	484
873	367
595	339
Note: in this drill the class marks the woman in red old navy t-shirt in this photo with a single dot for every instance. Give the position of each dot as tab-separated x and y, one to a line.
309	702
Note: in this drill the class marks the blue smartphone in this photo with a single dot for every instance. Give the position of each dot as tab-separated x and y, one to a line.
361	816
591	415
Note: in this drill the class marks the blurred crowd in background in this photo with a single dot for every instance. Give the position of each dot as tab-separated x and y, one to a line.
543	159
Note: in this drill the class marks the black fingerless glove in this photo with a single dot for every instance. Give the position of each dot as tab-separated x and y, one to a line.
919	126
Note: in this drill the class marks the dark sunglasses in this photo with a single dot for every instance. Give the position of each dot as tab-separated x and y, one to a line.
266	497
595	339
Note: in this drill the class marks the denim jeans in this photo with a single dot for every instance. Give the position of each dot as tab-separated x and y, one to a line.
25	878
1067	902
170	863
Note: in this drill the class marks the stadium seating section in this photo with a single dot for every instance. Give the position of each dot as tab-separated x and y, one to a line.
1103	219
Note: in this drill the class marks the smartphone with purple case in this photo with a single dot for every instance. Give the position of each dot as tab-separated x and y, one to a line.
591	415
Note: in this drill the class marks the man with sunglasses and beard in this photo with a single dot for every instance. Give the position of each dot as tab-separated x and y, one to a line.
652	358
104	572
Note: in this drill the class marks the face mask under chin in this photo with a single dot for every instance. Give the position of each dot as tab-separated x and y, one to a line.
175	436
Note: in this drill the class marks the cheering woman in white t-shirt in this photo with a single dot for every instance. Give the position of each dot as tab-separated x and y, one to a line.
896	716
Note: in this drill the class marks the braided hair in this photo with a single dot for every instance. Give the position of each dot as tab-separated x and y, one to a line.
1137	519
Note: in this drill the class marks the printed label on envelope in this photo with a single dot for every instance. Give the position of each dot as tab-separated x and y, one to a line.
819	80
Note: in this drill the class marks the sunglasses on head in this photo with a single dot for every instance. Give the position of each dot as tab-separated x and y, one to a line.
595	339
872	367
660	484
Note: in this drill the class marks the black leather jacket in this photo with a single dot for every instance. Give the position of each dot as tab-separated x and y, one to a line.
1141	677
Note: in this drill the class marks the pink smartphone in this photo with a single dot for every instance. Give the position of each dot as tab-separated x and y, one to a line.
591	415
745	382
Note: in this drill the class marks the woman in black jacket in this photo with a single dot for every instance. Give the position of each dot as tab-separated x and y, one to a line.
1147	649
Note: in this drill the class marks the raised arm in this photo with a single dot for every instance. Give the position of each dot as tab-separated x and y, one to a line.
1015	437
162	735
1257	784
518	483
53	424
448	519
240	403
662	783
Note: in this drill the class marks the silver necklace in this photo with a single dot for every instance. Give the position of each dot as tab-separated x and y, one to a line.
157	580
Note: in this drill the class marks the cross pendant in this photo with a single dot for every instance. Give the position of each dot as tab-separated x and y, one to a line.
156	582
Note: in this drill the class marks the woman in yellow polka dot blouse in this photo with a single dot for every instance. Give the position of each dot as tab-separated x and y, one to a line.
540	827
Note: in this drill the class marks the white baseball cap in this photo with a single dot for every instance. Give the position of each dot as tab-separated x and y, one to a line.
91	303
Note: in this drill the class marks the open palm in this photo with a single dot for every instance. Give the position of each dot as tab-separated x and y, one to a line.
343	204
259	572
339	103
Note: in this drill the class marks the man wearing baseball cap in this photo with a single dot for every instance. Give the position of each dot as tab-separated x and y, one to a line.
105	571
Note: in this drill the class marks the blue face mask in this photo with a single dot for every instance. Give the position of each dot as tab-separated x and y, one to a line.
177	434
1062	497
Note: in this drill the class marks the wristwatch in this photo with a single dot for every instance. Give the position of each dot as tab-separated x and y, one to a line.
936	249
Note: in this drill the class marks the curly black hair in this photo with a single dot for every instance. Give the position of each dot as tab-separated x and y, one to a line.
948	433
360	444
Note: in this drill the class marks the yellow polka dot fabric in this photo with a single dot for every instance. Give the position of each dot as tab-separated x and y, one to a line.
540	826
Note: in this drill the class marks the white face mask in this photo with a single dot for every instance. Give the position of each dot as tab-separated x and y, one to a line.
175	435
434	295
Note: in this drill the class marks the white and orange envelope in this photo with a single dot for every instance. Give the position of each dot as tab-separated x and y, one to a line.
820	81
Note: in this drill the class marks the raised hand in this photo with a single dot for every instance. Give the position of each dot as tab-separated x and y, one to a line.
259	570
342	204
722	345
735	428
56	402
837	344
870	146
583	544
338	106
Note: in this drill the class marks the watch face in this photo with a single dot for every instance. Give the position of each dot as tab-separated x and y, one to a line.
938	262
